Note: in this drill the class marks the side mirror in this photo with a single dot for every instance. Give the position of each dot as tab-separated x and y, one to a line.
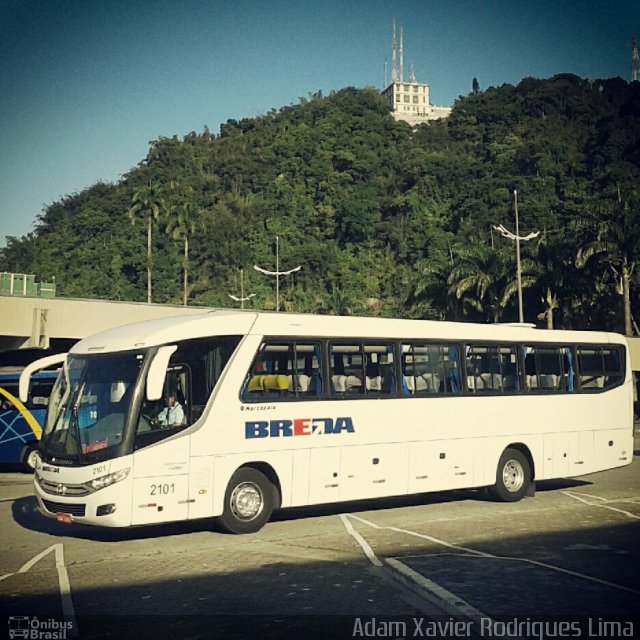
157	372
36	365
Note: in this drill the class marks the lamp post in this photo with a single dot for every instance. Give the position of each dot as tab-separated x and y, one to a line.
277	273
242	299
517	237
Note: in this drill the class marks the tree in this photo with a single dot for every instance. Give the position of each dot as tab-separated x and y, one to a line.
146	204
475	86
182	226
482	279
380	216
553	269
615	241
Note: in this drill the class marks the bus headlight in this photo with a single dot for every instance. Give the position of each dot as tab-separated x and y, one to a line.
106	481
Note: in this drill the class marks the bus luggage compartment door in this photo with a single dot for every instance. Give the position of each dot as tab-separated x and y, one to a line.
161	482
160	499
374	470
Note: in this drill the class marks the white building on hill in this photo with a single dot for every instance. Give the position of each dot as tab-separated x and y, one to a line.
408	101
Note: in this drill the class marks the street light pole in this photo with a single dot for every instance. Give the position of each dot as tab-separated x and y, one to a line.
517	237
519	270
242	299
277	273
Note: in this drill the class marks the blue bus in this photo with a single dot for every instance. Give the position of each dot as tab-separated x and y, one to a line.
21	423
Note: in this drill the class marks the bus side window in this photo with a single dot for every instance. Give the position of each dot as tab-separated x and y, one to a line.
548	369
284	370
380	377
305	377
362	369
269	375
600	368
613	366
430	369
347	364
492	369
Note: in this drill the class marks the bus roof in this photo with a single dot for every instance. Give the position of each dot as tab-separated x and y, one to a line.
150	333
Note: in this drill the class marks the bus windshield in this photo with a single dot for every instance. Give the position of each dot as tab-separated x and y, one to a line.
99	409
89	407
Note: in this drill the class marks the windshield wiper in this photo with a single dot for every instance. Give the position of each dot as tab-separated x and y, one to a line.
76	426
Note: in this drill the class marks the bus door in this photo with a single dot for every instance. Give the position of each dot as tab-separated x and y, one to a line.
161	460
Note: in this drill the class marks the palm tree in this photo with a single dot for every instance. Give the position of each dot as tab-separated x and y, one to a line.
429	295
182	226
147	204
553	267
482	278
616	241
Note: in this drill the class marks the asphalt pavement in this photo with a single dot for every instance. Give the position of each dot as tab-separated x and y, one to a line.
568	555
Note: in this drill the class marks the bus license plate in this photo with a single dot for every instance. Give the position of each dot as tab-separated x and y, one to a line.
64	517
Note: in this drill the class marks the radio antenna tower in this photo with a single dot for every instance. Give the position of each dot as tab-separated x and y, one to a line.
635	65
394	61
397	70
412	73
401	54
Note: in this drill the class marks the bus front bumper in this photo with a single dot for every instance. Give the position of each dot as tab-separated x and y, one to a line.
106	507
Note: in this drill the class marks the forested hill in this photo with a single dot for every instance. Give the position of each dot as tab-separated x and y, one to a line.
383	220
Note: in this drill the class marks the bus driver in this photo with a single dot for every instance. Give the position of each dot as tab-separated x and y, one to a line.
173	413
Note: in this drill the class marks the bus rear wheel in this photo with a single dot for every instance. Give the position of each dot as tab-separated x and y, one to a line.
248	502
513	477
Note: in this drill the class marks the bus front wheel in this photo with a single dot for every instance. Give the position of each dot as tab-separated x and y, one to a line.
248	502
513	477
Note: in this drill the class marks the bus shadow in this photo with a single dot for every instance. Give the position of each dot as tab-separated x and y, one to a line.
15	467
25	513
414	500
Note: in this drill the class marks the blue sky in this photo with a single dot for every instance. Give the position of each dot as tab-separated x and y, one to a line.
86	84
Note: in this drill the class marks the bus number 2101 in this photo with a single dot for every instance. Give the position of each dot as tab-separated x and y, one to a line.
162	489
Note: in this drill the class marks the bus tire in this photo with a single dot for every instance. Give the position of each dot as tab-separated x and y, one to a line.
30	457
248	502
513	476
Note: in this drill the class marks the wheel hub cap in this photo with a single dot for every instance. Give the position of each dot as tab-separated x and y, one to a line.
513	475
246	501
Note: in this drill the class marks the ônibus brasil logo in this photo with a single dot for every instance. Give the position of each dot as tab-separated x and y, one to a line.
296	427
34	629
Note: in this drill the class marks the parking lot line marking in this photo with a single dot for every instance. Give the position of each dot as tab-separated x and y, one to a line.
27	565
63	582
586	495
373	525
578	497
368	551
491	556
444	543
447	601
426	537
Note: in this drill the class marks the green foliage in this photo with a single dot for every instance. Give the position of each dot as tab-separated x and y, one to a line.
383	219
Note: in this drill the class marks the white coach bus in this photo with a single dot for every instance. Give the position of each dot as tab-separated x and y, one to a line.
279	410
